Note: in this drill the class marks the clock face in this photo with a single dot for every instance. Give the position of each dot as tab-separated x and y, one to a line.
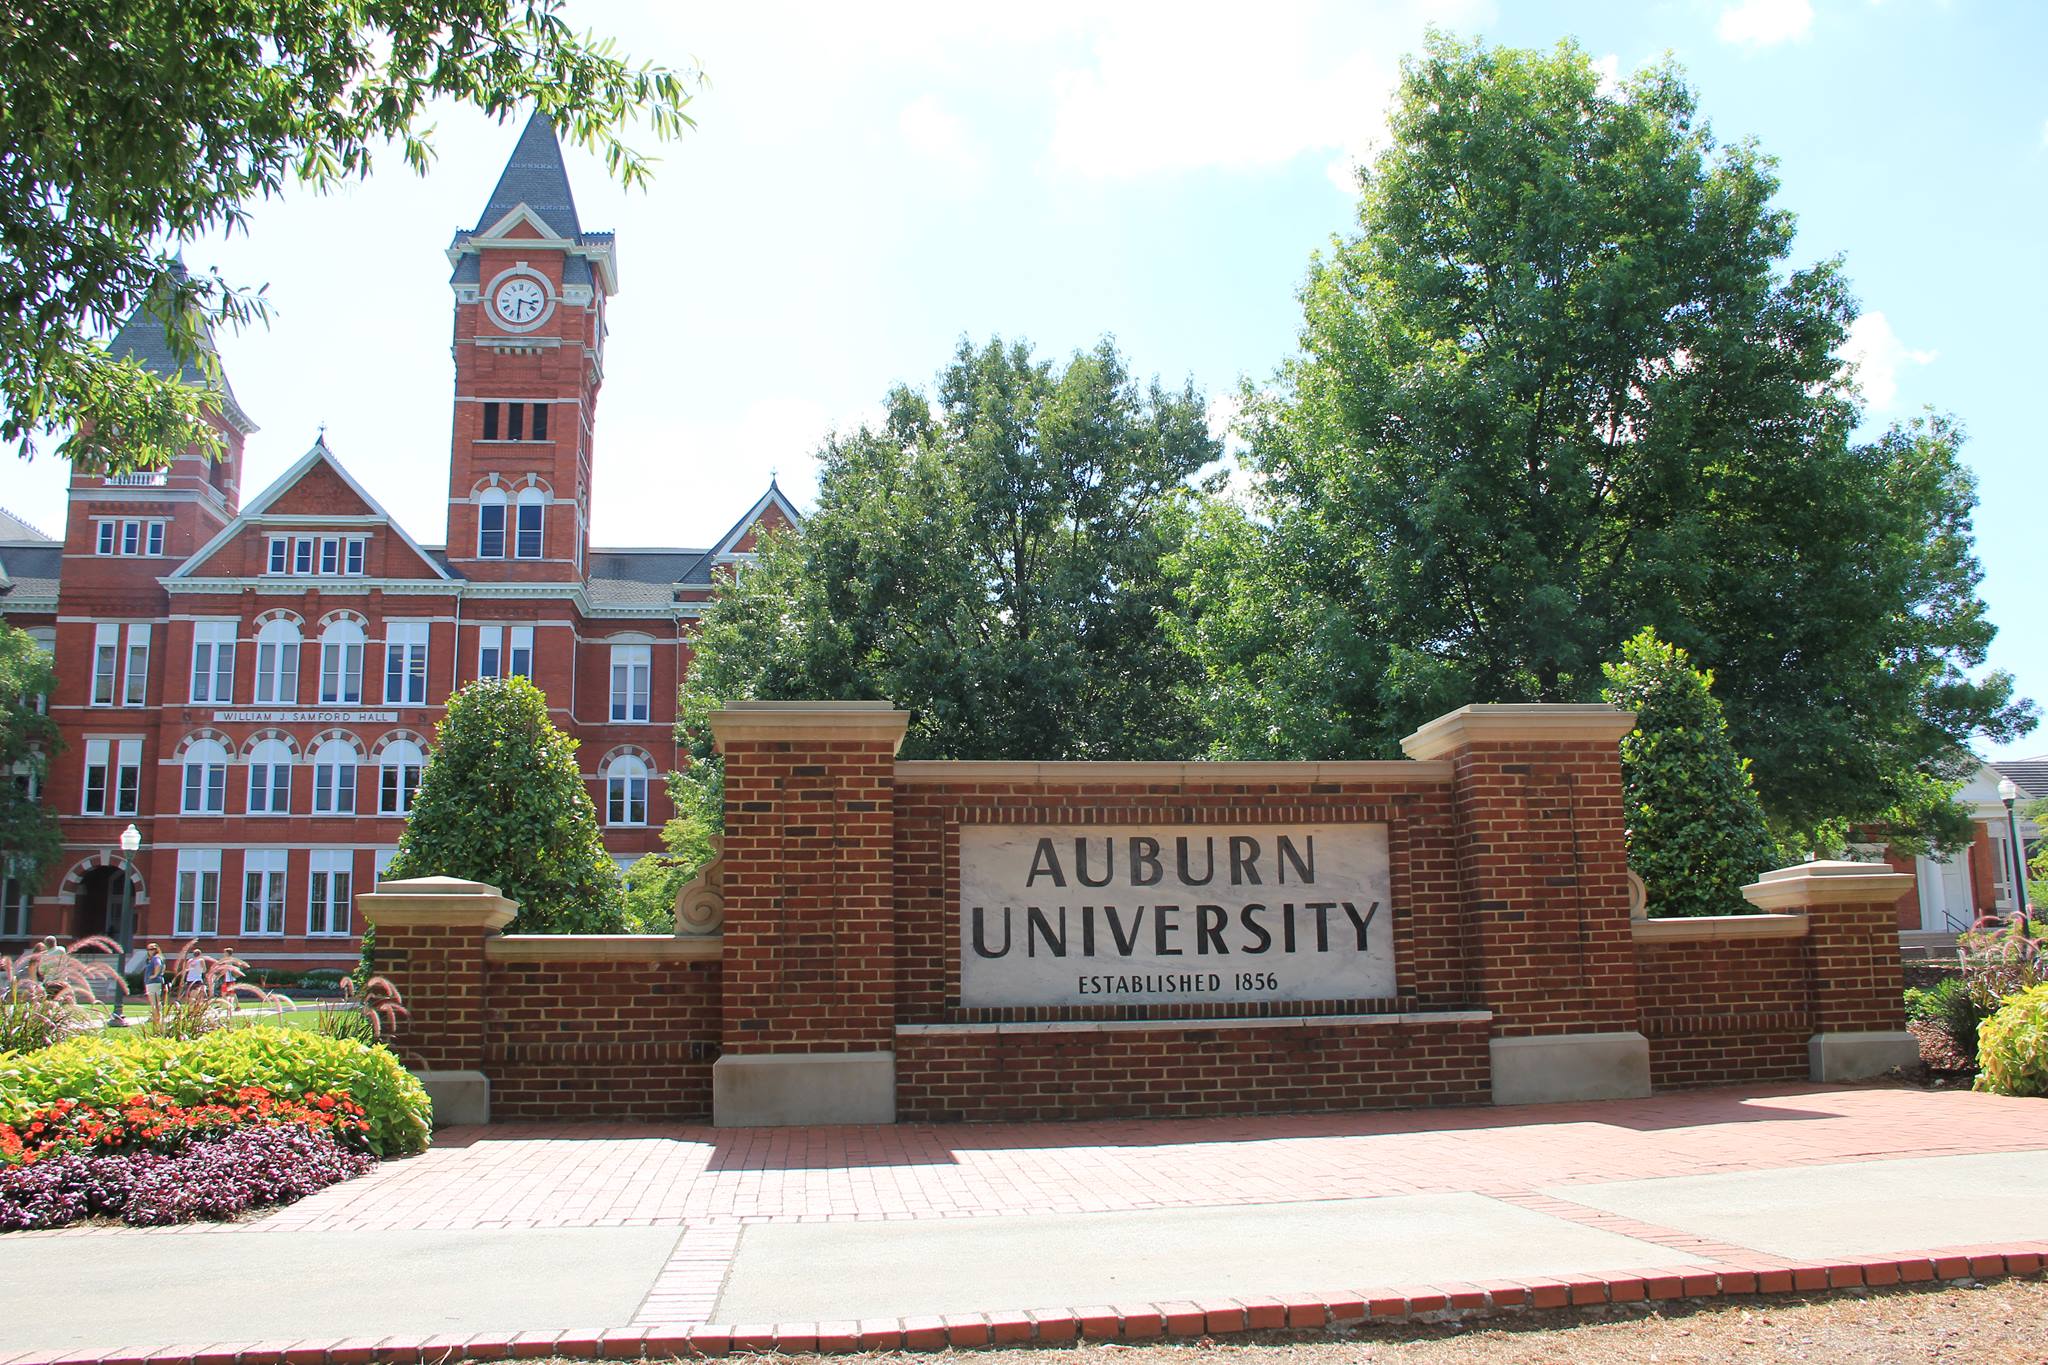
519	302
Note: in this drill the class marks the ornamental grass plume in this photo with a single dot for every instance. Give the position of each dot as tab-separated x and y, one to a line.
45	992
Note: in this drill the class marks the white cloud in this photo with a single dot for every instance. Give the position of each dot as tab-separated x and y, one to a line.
1220	88
1765	23
936	132
1609	70
1878	355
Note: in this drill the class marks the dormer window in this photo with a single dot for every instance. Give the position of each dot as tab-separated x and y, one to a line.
325	556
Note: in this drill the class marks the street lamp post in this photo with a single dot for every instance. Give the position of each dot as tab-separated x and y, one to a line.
2009	792
131	841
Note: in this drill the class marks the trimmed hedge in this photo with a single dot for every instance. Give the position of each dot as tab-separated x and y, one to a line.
103	1069
2012	1046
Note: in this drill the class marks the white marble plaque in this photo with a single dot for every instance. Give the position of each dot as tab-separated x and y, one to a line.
1094	915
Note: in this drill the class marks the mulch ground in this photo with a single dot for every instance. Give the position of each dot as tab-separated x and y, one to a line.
2005	1322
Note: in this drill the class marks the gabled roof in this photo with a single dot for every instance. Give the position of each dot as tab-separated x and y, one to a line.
28	575
143	337
15	531
2030	775
253	512
535	177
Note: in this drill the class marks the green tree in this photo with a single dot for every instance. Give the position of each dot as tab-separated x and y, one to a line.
29	839
1563	384
651	885
131	126
1696	831
992	561
501	801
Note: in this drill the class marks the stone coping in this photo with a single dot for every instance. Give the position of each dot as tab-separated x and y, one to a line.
1168	773
1166	1025
1518	723
453	911
1748	1276
795	720
1707	928
603	948
1827	883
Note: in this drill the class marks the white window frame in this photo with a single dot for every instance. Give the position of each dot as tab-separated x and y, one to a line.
341	664
519	652
330	893
196	912
17	904
203	778
398	777
335	778
493	505
632	682
108	539
625	791
264	892
279	560
106	664
270	778
99	774
277	675
490	651
533	501
135	666
154	538
354	554
213	662
405	662
127	789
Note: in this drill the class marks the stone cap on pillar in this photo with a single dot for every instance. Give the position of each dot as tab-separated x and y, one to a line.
790	720
449	902
1827	883
1518	723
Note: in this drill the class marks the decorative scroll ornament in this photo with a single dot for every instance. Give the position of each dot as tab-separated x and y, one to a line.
1638	898
700	904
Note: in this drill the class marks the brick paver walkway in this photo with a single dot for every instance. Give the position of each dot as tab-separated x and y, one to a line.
621	1176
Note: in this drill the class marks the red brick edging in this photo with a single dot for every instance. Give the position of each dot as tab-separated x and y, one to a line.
1137	1322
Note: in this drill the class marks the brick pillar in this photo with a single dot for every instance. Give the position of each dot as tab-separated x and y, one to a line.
1856	986
1543	871
430	944
808	966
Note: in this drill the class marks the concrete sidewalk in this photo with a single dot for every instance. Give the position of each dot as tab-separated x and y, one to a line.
653	1233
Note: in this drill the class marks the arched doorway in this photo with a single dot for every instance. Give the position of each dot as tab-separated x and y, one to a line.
96	906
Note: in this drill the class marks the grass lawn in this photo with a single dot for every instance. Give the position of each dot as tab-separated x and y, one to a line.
299	1015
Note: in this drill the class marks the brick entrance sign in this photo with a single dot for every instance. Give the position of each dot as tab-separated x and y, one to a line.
886	940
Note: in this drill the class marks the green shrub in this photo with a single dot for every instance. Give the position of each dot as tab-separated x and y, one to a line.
2012	1052
1696	831
1951	1006
106	1068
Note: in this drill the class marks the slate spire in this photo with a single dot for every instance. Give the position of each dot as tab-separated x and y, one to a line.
142	336
535	177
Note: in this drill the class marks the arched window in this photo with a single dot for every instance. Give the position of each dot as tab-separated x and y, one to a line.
277	662
490	524
334	778
341	663
270	778
625	790
398	776
532	507
206	777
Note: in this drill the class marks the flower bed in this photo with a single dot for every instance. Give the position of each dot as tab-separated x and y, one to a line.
218	1178
159	1124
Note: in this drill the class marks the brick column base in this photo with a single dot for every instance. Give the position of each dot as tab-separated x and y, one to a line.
1857	987
430	945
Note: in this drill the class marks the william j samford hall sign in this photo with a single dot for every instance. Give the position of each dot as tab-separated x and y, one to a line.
1059	915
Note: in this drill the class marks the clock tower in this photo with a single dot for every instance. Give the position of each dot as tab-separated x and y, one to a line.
531	288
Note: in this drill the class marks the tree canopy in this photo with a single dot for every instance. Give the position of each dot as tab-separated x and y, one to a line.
1564	383
501	801
29	839
132	126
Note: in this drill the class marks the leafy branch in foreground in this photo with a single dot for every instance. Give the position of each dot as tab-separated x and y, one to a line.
134	125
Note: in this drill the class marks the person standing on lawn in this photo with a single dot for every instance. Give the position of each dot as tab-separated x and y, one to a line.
153	976
54	955
195	974
230	973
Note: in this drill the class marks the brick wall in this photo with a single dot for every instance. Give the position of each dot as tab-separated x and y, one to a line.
1725	1011
601	1040
808	896
1175	1073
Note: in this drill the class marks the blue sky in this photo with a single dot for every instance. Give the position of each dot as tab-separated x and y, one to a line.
867	183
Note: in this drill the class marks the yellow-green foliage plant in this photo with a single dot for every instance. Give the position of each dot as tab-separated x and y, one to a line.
2012	1046
106	1068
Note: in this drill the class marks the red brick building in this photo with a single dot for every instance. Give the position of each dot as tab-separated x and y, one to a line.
254	685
